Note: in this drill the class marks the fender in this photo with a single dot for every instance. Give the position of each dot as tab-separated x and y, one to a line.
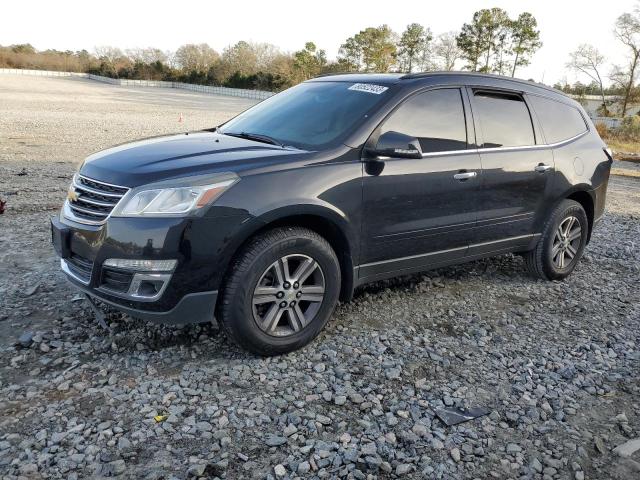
347	247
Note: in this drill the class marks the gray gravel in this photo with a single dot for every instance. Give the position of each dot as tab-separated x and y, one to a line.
555	363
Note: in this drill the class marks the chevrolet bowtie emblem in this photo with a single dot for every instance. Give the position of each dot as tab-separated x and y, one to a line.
72	196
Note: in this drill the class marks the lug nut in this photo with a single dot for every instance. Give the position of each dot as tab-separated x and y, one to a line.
299	294
296	285
286	285
280	294
293	303
283	304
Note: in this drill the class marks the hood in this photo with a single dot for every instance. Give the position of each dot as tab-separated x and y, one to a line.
174	156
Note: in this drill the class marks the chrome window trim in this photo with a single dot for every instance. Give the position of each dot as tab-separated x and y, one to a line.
540	146
514	148
533	147
449	152
568	140
65	268
502	149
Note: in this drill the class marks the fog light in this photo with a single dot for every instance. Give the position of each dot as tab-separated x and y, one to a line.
141	265
148	286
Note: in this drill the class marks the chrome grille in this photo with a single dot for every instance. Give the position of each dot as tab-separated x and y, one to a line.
93	200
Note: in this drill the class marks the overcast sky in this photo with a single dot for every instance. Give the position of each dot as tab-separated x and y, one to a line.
73	25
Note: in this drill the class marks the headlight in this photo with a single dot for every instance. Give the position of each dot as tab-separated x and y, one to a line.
179	200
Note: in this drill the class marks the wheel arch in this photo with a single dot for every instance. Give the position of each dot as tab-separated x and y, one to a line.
585	198
324	221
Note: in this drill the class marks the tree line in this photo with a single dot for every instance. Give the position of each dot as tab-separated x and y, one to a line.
491	41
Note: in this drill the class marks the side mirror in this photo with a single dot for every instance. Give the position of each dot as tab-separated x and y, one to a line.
398	145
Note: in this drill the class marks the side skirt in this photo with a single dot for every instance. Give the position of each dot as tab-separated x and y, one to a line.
372	272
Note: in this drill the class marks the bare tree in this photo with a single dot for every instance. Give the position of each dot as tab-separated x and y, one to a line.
586	59
110	56
621	78
266	54
446	51
147	55
196	58
627	30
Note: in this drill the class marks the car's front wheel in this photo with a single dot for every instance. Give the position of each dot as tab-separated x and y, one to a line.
281	291
562	243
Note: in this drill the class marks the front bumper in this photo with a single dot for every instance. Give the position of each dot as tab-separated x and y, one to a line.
192	308
201	246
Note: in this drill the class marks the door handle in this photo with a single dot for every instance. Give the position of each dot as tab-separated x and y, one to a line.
542	168
462	176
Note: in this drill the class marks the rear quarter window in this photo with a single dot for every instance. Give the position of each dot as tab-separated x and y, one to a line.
559	121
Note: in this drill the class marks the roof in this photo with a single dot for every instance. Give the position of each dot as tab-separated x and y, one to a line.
397	78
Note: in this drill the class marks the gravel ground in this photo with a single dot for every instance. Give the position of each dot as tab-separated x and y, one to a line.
555	364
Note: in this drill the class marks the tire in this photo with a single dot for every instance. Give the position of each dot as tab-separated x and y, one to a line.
260	274
544	260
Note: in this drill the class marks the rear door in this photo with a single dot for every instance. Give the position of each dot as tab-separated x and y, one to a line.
421	212
517	171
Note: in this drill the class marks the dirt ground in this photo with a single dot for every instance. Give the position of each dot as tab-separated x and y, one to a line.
556	363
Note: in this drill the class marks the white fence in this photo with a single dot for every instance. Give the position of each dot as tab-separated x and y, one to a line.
610	122
41	73
233	92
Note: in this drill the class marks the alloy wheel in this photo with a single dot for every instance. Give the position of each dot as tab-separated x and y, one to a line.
288	295
566	242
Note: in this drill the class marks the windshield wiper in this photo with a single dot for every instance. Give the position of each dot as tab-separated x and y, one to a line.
256	137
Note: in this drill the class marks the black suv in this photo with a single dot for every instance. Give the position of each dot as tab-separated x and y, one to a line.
269	219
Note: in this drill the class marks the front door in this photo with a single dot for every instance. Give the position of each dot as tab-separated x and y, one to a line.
420	212
517	171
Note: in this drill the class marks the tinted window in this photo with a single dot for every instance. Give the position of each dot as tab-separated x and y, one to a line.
559	121
436	118
504	120
310	114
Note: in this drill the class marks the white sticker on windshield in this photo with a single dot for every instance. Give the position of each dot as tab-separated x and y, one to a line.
369	88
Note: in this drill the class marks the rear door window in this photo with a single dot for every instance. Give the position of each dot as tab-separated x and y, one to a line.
435	118
559	121
504	119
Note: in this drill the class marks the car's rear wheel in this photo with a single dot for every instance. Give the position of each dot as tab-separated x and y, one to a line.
562	243
281	291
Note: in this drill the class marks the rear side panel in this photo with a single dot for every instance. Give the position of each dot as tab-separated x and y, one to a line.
581	165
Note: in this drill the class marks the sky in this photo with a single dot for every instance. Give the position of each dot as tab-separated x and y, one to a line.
75	24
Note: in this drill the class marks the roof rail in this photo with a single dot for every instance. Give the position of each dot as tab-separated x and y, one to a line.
331	74
410	76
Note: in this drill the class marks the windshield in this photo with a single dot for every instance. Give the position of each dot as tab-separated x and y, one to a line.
308	115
